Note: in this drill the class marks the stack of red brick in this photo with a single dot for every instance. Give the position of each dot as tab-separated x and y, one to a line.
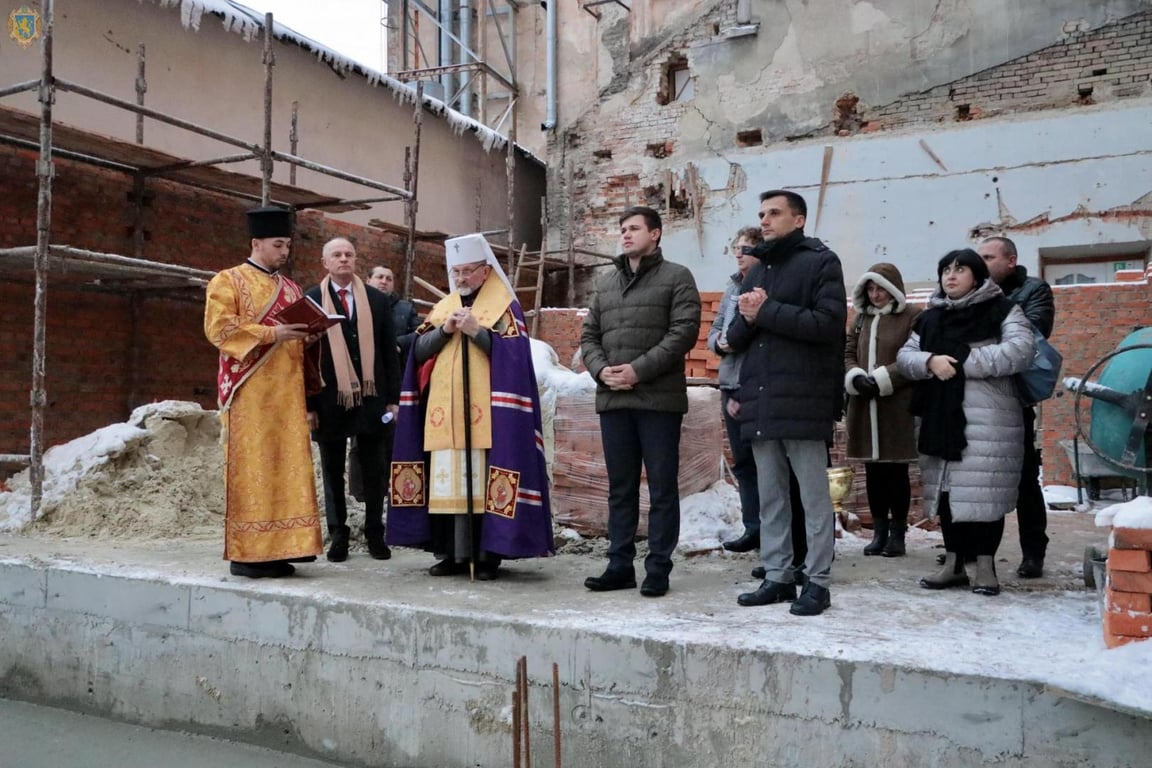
1128	596
701	362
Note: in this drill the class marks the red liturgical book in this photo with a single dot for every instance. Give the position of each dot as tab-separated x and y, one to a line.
307	312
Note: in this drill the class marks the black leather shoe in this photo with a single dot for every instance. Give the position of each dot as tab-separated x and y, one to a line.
654	586
308	559
813	601
447	567
611	580
378	550
338	551
487	571
272	570
746	543
769	592
1031	568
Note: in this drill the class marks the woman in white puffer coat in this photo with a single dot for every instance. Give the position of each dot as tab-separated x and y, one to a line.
963	352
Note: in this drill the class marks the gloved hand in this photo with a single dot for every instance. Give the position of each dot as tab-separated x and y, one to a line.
866	386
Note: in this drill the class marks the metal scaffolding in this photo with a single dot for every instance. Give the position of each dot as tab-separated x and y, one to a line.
458	71
124	273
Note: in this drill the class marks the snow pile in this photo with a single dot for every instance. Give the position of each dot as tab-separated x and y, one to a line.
1132	514
158	474
709	518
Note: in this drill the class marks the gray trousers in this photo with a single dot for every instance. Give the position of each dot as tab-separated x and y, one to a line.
809	461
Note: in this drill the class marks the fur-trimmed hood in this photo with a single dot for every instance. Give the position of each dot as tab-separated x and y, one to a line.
888	277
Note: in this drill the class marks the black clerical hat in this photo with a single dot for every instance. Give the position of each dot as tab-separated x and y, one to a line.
271	221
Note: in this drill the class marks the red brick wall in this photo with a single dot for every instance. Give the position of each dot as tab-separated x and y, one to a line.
97	368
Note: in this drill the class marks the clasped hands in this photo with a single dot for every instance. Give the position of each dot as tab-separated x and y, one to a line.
749	303
462	320
619	377
866	386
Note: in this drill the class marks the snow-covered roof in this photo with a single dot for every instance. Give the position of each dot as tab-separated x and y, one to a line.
243	20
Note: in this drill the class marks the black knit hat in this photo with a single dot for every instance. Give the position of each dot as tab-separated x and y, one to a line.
271	221
966	257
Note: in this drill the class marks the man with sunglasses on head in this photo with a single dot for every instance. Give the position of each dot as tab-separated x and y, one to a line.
743	461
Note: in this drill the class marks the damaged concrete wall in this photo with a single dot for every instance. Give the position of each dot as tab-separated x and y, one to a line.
955	78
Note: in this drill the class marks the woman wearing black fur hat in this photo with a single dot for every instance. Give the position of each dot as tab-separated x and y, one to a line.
963	351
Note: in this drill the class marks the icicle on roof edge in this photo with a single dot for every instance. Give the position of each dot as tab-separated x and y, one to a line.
247	22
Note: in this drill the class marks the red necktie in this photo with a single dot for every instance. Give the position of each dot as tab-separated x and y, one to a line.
343	294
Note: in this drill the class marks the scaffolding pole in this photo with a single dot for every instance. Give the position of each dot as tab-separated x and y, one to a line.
411	185
510	178
294	139
113	261
571	236
39	397
30	85
269	60
141	89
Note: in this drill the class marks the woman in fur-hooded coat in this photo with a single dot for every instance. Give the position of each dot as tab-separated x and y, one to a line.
881	431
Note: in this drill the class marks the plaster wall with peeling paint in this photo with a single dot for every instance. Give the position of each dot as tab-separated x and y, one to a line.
1030	135
1044	180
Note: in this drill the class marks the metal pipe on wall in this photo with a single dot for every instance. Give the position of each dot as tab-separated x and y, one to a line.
743	12
447	80
550	56
465	58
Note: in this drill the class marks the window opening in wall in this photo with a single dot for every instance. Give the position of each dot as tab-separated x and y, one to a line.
659	149
1094	263
752	138
671	203
676	81
683	88
1077	278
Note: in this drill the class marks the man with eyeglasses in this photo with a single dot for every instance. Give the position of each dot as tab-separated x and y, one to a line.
457	491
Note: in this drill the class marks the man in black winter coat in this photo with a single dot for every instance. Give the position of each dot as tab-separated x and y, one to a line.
790	327
405	319
360	398
1034	297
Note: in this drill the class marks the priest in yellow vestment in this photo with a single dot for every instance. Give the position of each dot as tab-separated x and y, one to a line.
271	517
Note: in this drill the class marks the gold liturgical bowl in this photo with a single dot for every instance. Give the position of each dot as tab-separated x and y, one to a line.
839	486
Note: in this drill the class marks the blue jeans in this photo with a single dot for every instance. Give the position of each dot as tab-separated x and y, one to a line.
631	438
